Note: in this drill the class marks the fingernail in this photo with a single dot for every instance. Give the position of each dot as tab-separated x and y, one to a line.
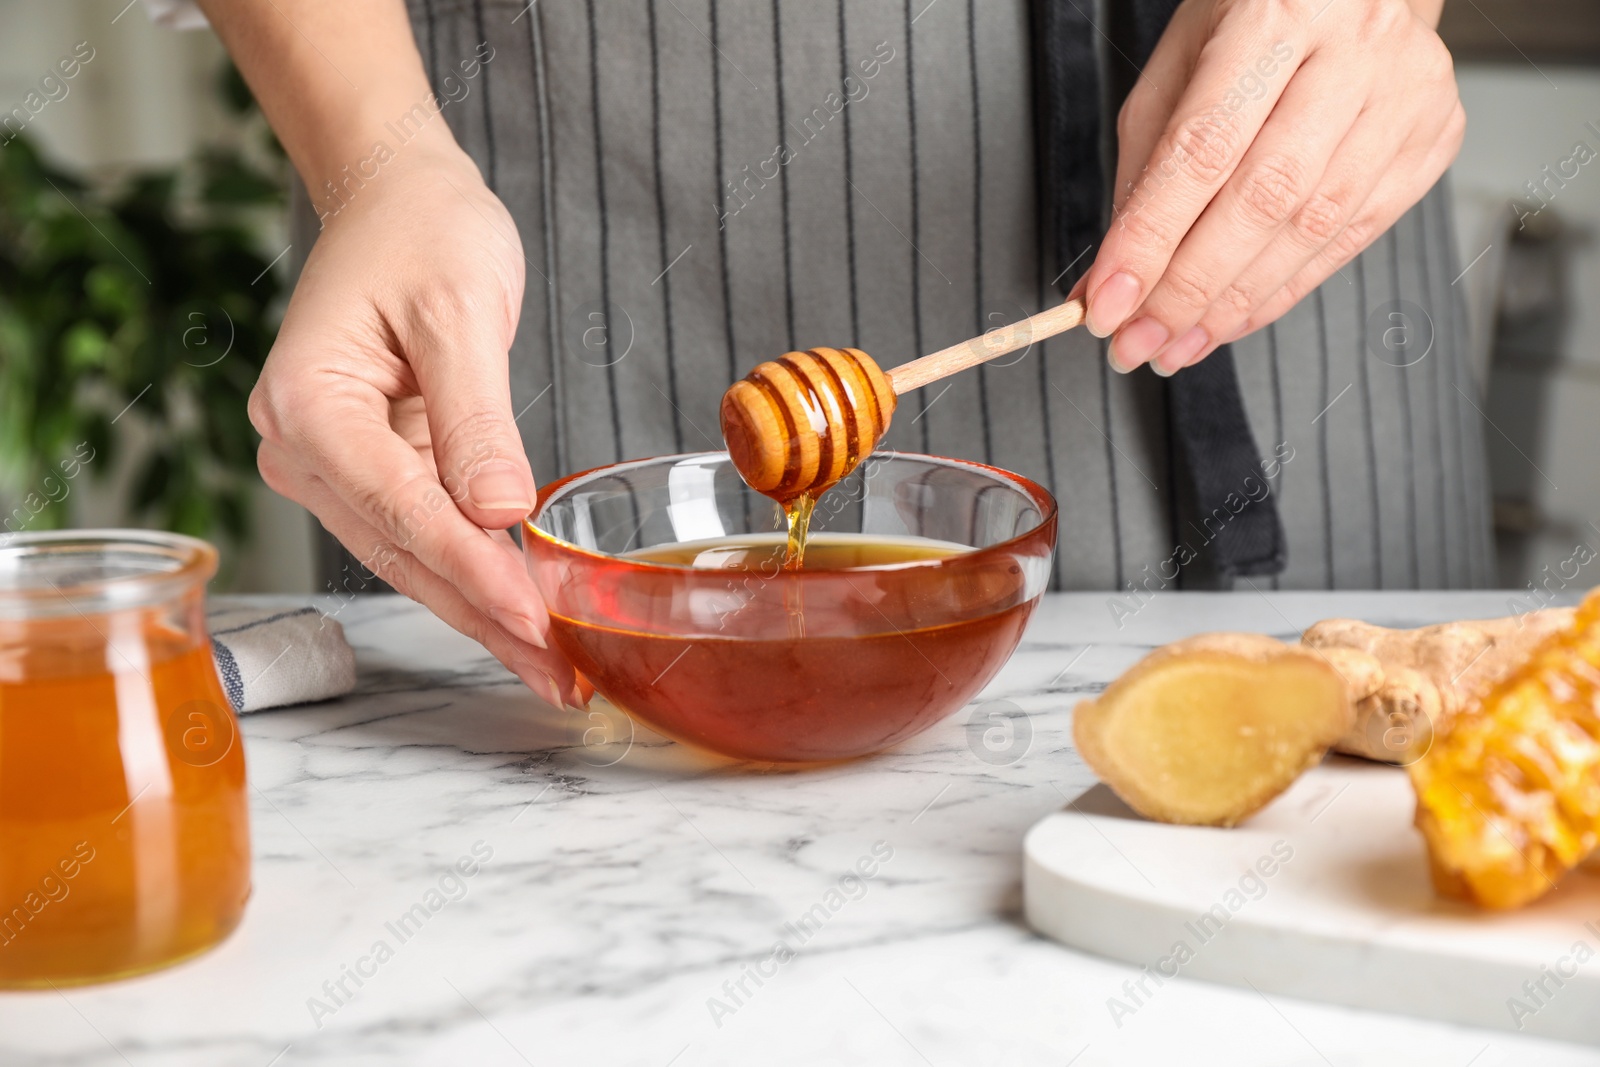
539	684
552	691
499	490
1114	301
1137	343
579	699
1185	349
519	625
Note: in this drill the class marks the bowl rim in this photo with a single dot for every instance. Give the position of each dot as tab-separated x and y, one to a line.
1025	484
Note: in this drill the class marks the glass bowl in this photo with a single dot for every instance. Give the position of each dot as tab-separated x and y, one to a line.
775	665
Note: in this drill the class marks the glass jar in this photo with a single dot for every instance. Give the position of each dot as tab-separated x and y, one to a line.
124	824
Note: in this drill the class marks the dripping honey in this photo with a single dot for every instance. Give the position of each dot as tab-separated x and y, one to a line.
797	517
124	840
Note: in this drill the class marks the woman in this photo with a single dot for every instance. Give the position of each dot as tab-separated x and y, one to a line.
617	209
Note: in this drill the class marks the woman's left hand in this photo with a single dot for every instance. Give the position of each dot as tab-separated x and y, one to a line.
1265	145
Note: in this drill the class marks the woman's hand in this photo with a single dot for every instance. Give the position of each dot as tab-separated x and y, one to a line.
385	405
1266	144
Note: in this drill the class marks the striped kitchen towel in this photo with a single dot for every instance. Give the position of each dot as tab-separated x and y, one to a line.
271	656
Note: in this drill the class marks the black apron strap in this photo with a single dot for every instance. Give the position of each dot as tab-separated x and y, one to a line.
1067	86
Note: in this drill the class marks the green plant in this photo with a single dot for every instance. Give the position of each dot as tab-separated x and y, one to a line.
149	296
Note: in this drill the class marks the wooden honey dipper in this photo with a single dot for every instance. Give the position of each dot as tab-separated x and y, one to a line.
799	423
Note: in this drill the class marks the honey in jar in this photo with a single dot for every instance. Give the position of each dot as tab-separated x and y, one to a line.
124	835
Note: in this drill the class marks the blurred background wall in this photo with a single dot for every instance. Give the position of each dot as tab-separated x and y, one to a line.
1529	241
148	100
1537	304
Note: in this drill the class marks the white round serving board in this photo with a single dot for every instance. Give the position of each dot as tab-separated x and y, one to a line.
1349	917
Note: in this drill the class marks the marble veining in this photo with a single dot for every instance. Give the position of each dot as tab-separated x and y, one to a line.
628	900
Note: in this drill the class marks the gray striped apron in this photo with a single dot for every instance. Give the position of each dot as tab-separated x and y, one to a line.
703	184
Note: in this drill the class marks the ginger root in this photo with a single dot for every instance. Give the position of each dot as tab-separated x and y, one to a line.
1498	721
1207	730
1508	797
1407	685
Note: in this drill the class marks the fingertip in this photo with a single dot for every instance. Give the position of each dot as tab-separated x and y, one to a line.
493	520
499	491
1186	349
1177	358
582	687
534	608
522	625
1112	303
1137	343
549	691
551	680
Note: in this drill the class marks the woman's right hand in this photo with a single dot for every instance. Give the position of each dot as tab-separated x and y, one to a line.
385	405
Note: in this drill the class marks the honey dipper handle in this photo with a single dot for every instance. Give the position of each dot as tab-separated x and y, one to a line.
992	345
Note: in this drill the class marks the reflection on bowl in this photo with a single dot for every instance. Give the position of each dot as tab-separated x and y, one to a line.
727	651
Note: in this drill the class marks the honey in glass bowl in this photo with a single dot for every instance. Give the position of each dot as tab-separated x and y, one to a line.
124	831
666	586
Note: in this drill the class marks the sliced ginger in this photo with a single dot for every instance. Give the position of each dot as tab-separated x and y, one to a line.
1508	797
1208	730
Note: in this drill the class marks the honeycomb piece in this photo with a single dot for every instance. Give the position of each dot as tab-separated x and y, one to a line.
1508	797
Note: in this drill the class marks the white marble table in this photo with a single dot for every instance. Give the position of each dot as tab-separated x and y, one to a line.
622	901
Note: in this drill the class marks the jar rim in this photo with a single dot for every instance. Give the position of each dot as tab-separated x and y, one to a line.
155	566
